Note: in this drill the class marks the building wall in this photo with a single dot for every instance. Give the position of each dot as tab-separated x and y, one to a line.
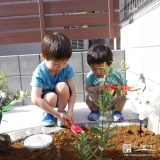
140	38
20	49
35	48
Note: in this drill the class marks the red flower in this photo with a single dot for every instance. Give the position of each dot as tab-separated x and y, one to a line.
108	86
124	88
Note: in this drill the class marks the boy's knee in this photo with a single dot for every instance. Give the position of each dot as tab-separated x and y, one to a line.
90	98
51	99
62	88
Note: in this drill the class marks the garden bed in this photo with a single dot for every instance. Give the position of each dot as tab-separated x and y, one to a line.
62	146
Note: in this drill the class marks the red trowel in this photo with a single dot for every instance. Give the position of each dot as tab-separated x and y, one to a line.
76	129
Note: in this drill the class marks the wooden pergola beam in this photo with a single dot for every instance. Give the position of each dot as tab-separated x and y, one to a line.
111	23
42	19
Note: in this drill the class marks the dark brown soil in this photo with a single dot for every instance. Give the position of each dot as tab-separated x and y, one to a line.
5	144
62	146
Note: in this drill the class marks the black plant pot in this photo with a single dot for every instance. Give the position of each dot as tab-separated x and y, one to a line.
5	144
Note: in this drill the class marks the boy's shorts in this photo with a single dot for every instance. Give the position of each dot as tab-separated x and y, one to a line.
53	90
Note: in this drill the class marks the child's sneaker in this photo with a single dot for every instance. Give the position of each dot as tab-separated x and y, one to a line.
59	122
94	115
48	119
117	116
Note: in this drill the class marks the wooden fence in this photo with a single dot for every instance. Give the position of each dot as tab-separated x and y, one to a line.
25	21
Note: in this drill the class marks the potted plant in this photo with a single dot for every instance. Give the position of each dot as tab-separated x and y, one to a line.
7	99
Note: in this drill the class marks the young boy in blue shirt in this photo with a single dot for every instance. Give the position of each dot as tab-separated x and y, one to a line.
52	81
96	56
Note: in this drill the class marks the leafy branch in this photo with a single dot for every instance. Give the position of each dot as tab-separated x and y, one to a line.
7	98
108	96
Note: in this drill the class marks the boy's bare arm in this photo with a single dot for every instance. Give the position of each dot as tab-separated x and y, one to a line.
72	99
89	88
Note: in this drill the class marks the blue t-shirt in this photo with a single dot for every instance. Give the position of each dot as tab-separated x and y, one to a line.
112	78
43	79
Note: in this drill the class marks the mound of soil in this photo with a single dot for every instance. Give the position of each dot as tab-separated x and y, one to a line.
129	145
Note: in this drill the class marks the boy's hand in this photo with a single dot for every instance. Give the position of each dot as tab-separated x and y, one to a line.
65	120
99	88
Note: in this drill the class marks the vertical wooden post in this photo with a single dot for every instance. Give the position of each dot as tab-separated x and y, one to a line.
42	19
111	23
111	42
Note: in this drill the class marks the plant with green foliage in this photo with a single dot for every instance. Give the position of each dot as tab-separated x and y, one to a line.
7	99
107	98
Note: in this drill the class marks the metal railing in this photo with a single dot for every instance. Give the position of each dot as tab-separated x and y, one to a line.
130	7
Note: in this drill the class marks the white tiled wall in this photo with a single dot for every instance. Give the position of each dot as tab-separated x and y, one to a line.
141	42
154	123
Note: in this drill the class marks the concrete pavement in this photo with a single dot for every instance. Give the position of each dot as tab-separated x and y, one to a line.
24	117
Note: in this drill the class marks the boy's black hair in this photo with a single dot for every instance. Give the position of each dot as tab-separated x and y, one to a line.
98	54
56	46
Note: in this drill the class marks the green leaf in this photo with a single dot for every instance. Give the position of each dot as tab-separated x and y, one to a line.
93	153
110	146
107	159
113	128
99	141
100	127
119	92
86	138
2	139
111	137
97	103
25	93
78	146
93	143
88	154
6	108
124	69
106	135
94	91
135	89
86	149
96	130
18	94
